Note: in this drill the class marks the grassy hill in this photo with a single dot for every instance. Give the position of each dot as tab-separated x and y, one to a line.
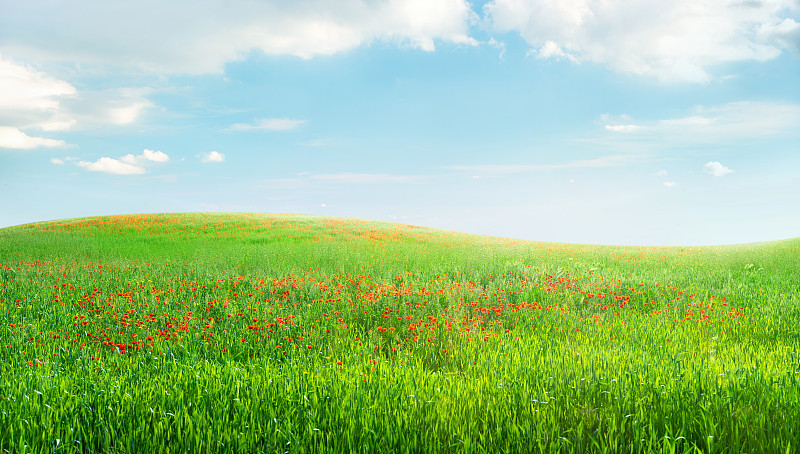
259	333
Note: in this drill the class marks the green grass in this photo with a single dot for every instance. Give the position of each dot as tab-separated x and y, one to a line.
273	333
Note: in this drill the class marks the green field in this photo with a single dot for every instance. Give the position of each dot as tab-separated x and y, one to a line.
274	333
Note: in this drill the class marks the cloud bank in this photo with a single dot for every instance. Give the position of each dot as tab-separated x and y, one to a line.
196	37
721	123
33	100
674	41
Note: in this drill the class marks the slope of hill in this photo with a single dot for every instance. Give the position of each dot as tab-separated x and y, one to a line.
245	332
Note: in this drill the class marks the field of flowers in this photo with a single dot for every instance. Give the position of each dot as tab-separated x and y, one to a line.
279	333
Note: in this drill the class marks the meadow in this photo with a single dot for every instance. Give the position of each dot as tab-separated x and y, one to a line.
278	333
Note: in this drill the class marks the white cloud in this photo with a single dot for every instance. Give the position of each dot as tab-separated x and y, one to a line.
305	180
787	33
93	109
694	120
23	88
552	50
364	178
716	168
678	40
615	118
269	124
111	165
14	138
603	161
145	157
123	115
127	165
670	184
57	161
31	99
155	156
211	156
733	121
661	173
218	31
57	125
498	45
622	128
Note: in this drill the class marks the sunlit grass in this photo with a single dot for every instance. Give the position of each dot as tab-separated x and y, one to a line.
272	333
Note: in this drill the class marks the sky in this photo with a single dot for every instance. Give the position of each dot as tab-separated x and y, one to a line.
630	122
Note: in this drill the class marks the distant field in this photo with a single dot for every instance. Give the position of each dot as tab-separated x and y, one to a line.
277	333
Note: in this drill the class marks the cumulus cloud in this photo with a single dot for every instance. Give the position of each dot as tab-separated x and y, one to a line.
57	161
95	109
673	41
211	156
14	138
146	156
218	31
30	99
553	50
716	169
23	88
670	184
111	165
155	156
126	165
33	100
268	124
787	33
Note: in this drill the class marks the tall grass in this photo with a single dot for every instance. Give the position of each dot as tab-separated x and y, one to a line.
277	333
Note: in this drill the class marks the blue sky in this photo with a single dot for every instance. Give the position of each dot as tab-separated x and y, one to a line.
609	122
